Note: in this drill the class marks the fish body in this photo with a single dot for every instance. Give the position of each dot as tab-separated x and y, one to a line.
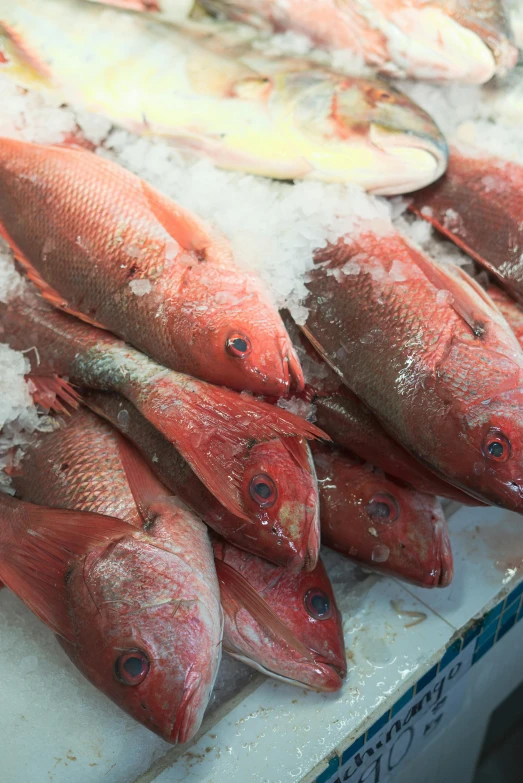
509	309
280	118
479	206
434	39
134	610
91	233
283	529
286	625
214	428
370	518
425	349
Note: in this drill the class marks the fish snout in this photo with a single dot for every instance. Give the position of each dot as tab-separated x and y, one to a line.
414	159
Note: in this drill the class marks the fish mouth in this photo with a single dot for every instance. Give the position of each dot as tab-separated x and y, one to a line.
444	557
413	161
321	677
190	711
312	549
293	380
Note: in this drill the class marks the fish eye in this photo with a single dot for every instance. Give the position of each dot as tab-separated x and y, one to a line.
238	345
383	507
132	667
496	446
318	604
263	490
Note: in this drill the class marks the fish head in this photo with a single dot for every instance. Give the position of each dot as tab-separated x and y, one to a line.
487	20
146	635
291	629
487	455
382	523
364	131
279	491
241	341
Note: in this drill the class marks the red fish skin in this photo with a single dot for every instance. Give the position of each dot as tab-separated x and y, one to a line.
509	309
90	229
352	425
286	533
154	590
214	428
478	204
415	546
441	370
248	640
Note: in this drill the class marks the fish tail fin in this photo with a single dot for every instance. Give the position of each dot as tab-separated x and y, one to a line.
53	393
214	428
35	562
235	586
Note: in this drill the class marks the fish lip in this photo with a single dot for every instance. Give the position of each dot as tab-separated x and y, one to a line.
182	730
398	144
293	379
445	558
312	547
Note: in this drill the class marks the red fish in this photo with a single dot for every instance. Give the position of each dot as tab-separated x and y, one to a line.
104	245
213	428
422	346
478	204
370	518
132	607
509	309
279	488
286	625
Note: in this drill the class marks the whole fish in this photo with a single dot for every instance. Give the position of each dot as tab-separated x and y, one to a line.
425	39
90	233
214	429
370	518
281	118
479	206
136	610
286	625
280	494
423	346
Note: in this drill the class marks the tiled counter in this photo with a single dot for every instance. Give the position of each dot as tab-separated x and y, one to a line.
412	655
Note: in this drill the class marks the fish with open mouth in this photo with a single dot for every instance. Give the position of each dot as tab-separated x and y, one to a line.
286	625
102	244
280	118
479	206
279	488
213	428
426	350
136	608
381	523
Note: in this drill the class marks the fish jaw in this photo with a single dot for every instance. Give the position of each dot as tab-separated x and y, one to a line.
412	161
446	570
189	714
320	677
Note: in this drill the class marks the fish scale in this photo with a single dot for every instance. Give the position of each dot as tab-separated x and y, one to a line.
443	373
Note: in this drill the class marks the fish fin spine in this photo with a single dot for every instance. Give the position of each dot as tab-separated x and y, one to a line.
145	487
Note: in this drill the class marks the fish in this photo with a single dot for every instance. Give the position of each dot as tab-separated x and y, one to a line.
136	610
281	492
213	428
352	425
282	118
478	205
370	518
285	625
422	345
88	231
434	39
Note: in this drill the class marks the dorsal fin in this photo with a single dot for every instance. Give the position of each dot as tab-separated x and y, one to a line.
43	545
145	487
188	230
243	593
